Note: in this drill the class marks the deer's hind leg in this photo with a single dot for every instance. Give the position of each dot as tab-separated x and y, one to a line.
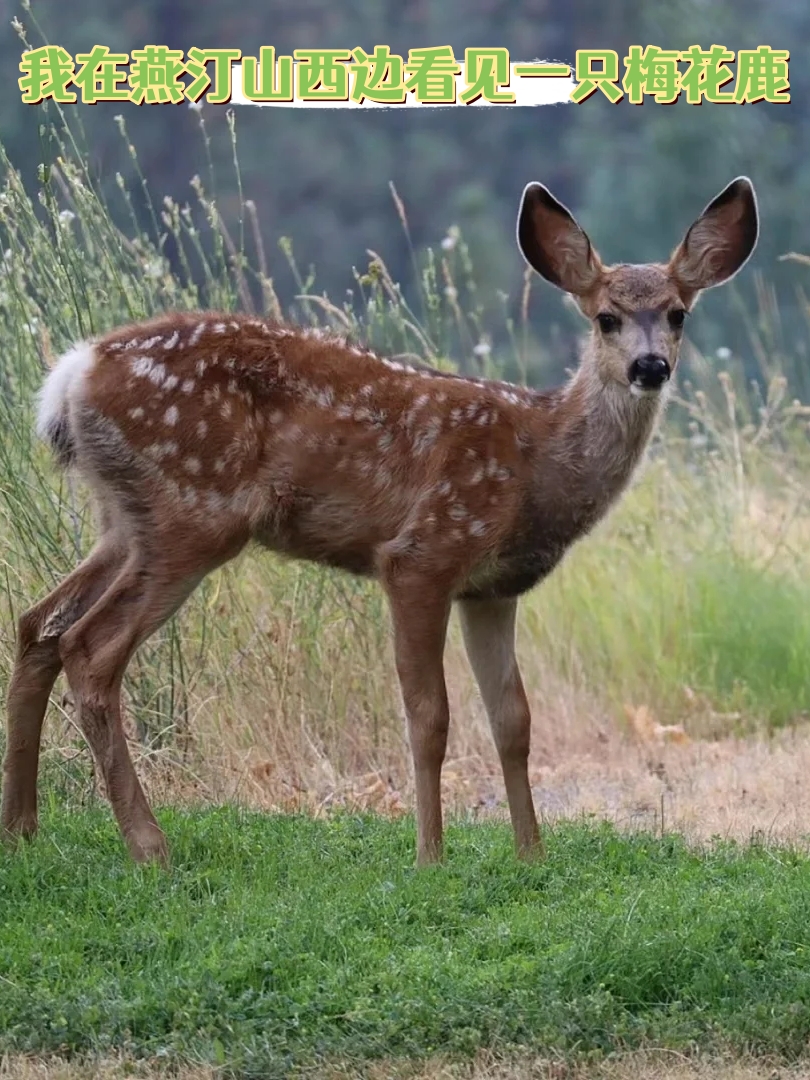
156	579
36	668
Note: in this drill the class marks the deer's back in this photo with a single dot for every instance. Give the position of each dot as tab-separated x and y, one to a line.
317	448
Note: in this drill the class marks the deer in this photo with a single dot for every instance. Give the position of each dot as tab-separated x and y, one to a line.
197	434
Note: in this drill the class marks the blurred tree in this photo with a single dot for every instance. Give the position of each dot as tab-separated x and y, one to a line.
634	175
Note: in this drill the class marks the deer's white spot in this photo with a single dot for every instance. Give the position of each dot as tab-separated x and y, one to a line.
219	465
215	502
196	334
202	429
188	386
171	382
161	450
172	342
146	368
477	528
425	439
457	512
226	410
200	367
192	465
171	416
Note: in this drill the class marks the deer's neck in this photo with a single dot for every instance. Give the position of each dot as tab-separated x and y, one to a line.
601	431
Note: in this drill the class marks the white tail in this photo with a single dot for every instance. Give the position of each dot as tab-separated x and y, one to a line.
53	424
198	433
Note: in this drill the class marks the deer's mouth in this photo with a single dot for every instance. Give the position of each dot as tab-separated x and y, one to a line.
639	391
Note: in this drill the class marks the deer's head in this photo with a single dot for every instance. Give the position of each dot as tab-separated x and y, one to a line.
638	311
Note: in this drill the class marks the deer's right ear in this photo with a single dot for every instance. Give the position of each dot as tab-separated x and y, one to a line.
553	244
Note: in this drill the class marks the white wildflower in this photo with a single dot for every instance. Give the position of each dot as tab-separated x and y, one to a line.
153	268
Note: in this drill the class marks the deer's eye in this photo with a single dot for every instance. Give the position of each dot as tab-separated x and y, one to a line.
676	318
608	323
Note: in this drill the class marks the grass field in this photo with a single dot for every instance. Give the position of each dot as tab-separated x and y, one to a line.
668	668
280	942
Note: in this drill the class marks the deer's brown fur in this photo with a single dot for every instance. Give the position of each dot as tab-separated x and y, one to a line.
198	433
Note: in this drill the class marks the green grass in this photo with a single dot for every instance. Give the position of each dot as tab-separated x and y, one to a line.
275	941
649	612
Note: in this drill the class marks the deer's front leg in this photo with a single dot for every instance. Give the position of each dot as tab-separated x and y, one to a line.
420	629
488	627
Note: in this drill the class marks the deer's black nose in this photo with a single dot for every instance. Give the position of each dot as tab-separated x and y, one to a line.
649	372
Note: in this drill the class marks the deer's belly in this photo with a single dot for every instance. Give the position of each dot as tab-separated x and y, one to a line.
330	531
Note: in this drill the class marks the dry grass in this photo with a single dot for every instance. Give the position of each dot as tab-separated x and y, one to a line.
585	760
639	1065
293	704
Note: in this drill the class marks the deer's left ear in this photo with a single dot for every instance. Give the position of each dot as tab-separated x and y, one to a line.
720	242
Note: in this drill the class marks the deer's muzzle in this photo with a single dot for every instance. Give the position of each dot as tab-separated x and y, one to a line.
649	372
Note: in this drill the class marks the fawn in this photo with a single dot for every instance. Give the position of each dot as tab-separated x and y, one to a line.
198	433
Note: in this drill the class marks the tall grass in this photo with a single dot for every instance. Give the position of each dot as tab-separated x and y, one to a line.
694	598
